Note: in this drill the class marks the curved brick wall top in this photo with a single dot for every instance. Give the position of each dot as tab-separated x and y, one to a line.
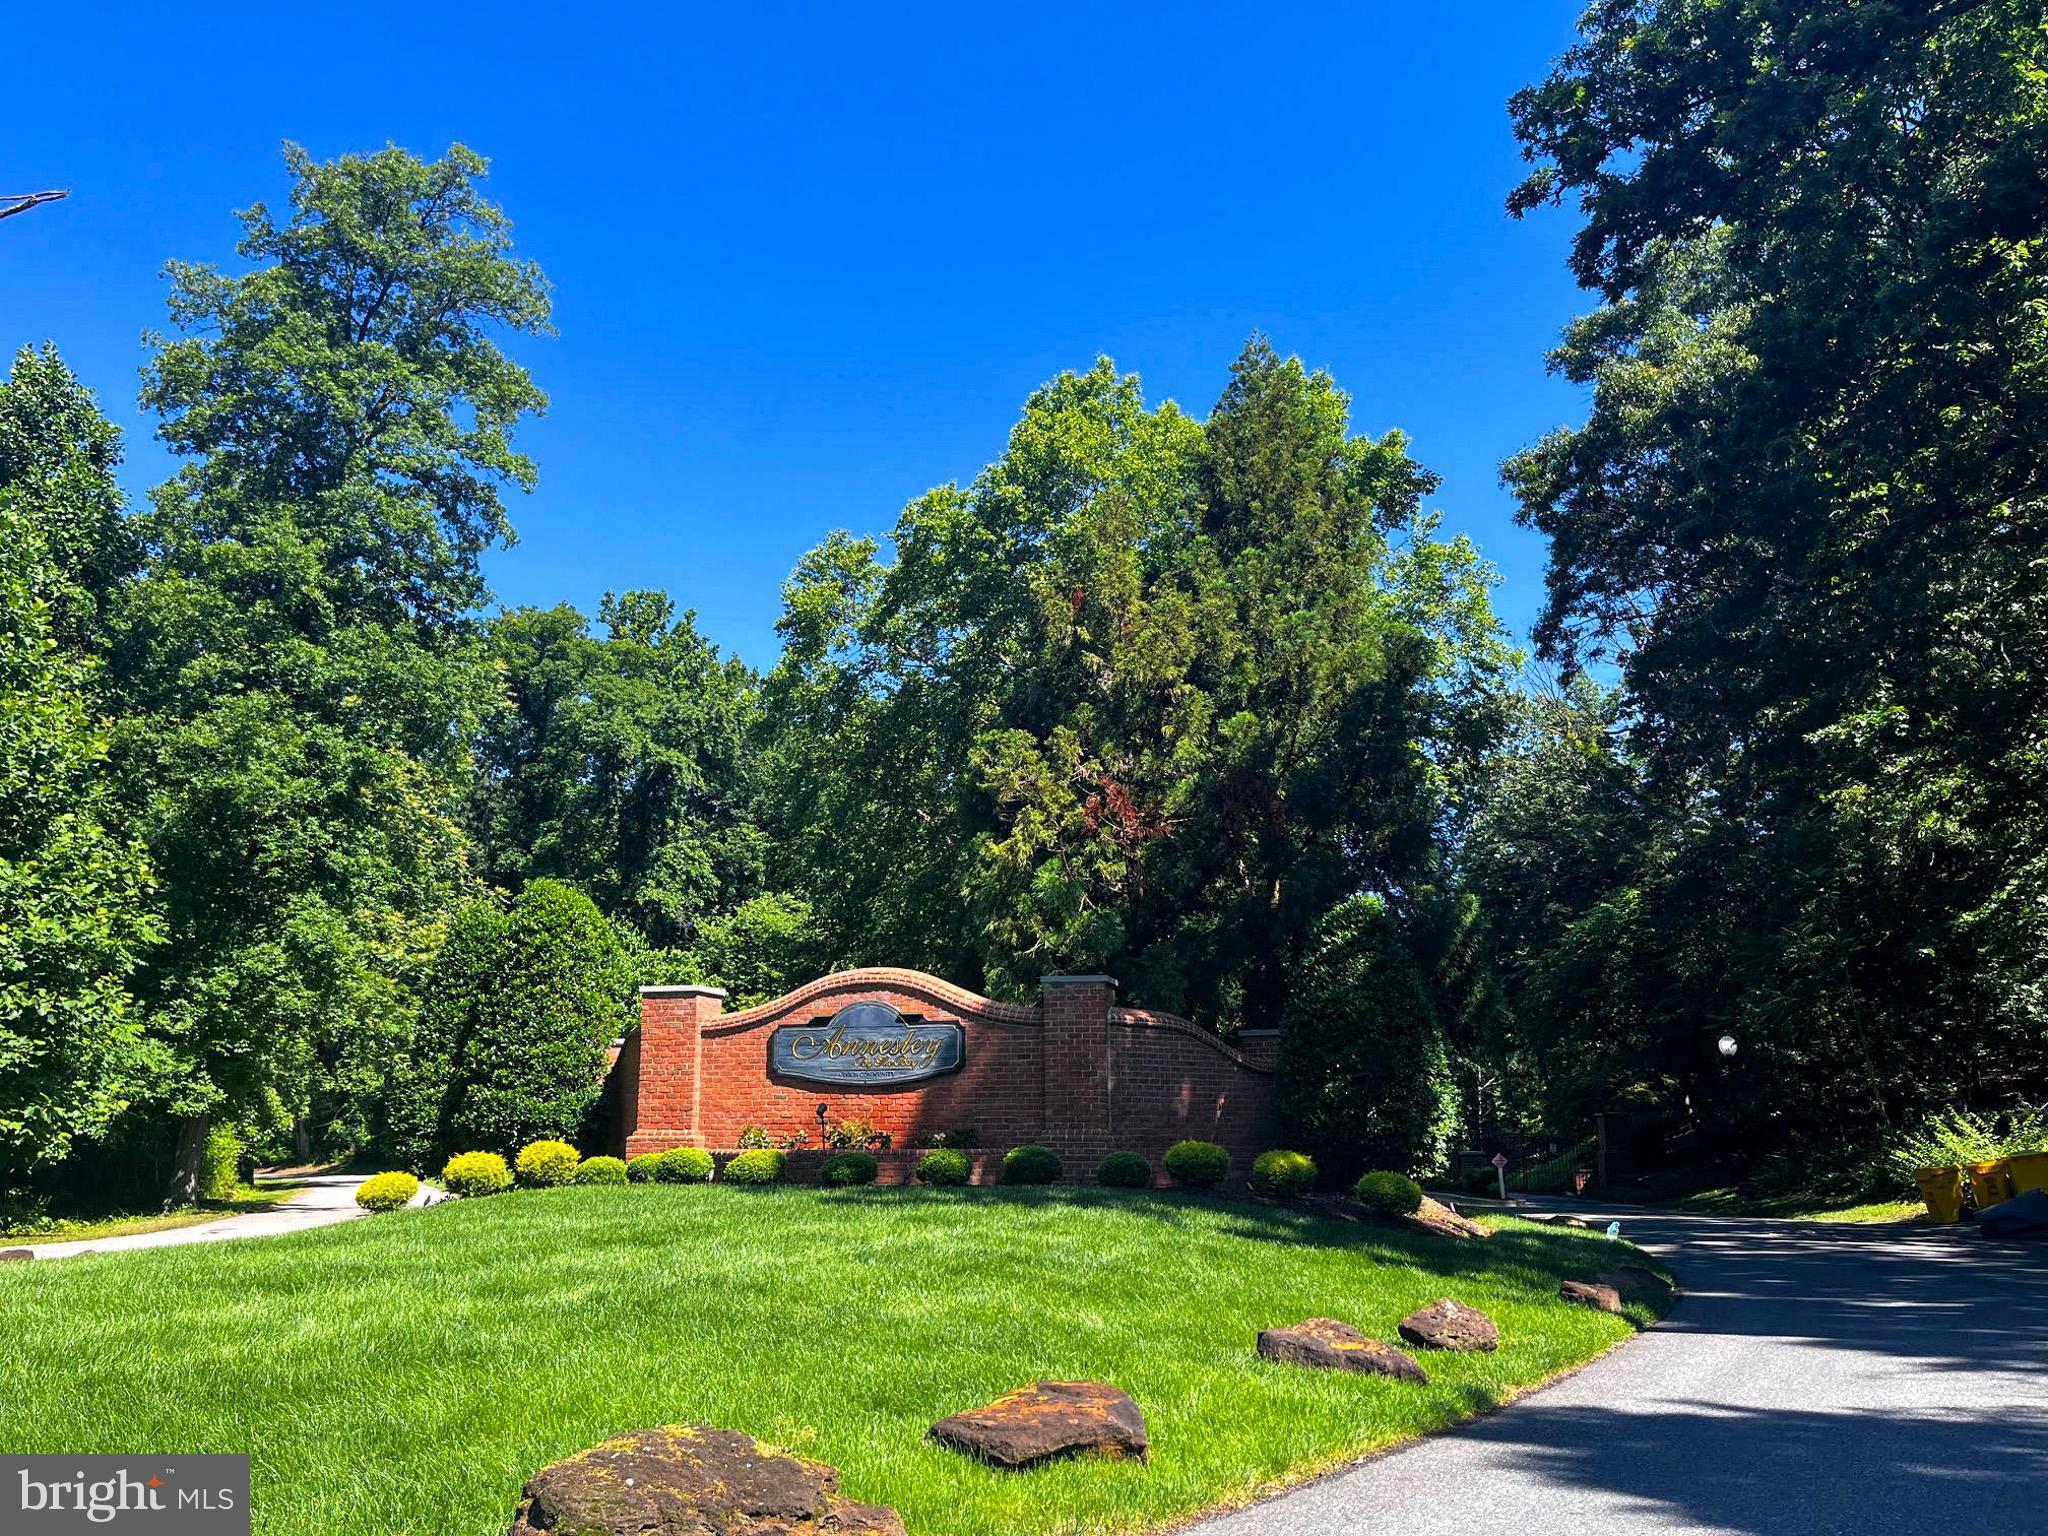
825	994
1151	1018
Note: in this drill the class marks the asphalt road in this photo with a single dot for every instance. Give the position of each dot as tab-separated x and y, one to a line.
1813	1380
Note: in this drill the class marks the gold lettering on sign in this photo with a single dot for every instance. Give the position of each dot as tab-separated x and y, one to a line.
905	1052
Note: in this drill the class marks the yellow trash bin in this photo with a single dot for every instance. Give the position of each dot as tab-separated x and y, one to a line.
1990	1183
2029	1171
1942	1190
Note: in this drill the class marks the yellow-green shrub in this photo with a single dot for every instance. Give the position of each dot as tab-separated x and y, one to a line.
386	1191
476	1173
1197	1164
547	1164
600	1170
761	1165
683	1165
1283	1173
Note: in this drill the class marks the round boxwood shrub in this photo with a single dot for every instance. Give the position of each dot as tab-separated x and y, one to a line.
476	1173
844	1169
1124	1170
643	1169
943	1165
1390	1194
1283	1173
1031	1165
682	1165
600	1170
546	1164
1197	1164
386	1191
761	1165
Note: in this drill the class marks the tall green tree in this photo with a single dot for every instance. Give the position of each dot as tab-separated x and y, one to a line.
295	665
1152	695
620	762
510	1044
1805	516
75	896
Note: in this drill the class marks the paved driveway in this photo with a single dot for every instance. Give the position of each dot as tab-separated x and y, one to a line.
1813	1380
326	1199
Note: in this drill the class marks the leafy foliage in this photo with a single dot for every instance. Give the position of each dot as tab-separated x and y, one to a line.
1804	518
386	1191
644	1169
76	906
1197	1164
510	1045
1031	1165
476	1173
682	1165
546	1164
846	1169
1364	1069
1390	1194
600	1170
1124	1170
1283	1173
761	1165
943	1166
1149	696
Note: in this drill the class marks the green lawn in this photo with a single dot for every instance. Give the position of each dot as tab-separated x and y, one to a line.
259	1197
1725	1202
404	1374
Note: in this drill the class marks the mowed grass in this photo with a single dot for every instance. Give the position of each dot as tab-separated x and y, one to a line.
406	1373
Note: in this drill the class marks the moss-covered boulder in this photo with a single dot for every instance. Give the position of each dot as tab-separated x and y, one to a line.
687	1479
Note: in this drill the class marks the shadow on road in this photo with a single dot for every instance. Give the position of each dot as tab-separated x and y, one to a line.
1792	1473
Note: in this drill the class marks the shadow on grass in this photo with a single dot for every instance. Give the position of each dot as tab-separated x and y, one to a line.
1558	1253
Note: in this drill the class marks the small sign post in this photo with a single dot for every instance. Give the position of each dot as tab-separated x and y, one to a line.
1500	1172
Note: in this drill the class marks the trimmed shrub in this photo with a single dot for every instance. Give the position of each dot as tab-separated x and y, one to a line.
1031	1165
1390	1194
842	1170
644	1169
546	1164
1124	1170
943	1165
386	1191
476	1173
1197	1164
510	1042
760	1165
683	1165
1283	1173
600	1170
220	1168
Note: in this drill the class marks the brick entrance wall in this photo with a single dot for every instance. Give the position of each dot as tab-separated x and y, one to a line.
1074	1071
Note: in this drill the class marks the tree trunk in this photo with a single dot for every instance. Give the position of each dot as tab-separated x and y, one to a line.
302	1140
184	1188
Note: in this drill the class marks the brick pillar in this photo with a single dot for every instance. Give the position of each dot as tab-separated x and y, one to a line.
1078	1080
667	1085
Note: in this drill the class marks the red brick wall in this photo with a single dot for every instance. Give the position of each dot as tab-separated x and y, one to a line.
1075	1072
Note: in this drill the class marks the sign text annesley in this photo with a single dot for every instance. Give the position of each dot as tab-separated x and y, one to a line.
867	1045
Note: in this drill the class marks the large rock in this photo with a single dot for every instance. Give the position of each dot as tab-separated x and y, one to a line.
1052	1418
692	1480
1605	1297
1439	1220
16	1253
1333	1346
1450	1325
1633	1279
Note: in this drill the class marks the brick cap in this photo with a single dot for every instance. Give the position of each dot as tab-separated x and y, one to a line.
682	991
1053	980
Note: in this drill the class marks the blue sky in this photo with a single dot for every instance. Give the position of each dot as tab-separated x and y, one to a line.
809	261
